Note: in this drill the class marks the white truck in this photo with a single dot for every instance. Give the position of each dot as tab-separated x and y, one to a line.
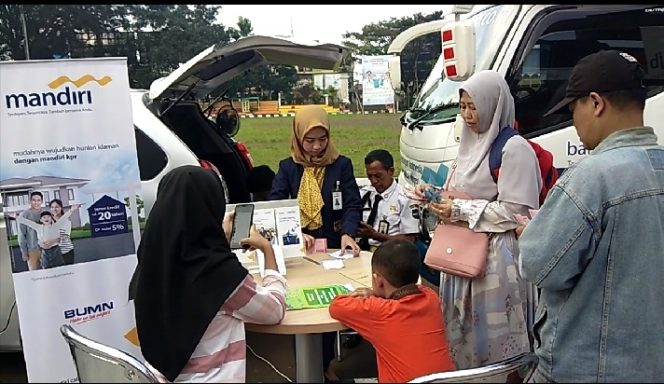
534	47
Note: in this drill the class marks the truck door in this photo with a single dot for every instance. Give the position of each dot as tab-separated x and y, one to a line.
557	41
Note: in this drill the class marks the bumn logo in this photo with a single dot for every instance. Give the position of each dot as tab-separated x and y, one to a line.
62	98
89	312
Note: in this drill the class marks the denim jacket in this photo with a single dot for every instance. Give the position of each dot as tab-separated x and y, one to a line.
596	250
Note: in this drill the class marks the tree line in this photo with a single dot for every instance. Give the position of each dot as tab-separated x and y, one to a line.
157	38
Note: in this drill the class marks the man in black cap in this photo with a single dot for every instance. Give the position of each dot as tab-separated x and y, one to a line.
596	246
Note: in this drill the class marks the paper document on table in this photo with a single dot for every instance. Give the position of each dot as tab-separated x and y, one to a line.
361	277
333	264
314	297
342	254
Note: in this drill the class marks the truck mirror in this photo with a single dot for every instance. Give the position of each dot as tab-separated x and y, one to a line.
394	69
458	50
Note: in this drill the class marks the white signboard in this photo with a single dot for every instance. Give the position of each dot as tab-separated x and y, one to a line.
376	83
68	175
326	80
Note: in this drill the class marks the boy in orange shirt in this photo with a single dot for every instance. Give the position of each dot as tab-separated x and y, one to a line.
400	318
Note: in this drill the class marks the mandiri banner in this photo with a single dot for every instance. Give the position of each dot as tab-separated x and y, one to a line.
69	182
376	83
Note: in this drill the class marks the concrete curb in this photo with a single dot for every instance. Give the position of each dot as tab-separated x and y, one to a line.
252	116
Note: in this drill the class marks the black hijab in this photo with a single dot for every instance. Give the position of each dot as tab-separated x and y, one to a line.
185	270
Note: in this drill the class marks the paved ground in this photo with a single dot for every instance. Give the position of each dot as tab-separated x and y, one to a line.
278	349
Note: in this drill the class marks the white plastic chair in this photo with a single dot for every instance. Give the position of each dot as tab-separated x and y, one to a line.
99	363
491	373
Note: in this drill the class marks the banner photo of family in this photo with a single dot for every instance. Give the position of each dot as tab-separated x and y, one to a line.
376	83
70	189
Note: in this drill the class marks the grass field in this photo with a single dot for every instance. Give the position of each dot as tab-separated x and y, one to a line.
268	139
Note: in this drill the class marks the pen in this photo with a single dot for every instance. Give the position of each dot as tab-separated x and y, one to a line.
310	259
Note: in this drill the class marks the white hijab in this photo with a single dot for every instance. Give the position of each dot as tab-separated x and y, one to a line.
495	106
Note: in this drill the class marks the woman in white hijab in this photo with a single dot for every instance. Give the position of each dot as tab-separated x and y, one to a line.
487	319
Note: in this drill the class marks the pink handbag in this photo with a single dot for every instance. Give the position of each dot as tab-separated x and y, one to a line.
456	249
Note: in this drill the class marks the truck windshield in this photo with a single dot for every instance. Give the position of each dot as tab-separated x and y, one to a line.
441	95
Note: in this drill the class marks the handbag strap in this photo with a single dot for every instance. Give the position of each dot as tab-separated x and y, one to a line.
449	179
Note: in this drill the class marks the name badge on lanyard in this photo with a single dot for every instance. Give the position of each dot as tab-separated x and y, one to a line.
337	198
383	226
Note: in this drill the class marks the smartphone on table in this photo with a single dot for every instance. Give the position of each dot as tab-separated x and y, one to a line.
244	217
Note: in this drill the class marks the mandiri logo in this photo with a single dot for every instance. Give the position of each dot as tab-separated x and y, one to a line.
65	97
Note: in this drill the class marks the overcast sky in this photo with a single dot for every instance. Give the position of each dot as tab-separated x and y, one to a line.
326	23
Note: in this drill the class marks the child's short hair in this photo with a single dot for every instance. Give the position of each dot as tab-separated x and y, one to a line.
398	261
45	213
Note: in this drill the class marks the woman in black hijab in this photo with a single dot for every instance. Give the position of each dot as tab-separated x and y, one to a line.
191	292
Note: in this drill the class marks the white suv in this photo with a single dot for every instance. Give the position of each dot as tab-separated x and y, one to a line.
171	130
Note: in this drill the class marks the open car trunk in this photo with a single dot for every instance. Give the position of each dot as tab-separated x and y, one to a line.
187	121
172	98
220	64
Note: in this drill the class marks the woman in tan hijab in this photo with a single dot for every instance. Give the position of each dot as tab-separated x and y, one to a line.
322	180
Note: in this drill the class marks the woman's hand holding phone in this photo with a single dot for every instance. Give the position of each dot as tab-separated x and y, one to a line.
420	188
257	241
227	225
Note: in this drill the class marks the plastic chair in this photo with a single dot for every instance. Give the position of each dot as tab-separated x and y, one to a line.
492	373
99	363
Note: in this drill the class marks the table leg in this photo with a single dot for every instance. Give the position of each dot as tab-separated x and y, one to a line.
309	358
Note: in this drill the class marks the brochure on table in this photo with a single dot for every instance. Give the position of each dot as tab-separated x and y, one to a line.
279	222
315	297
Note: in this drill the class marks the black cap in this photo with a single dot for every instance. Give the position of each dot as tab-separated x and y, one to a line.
602	71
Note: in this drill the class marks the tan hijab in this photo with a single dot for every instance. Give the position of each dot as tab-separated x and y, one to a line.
307	118
309	194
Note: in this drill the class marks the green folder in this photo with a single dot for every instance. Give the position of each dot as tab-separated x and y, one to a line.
314	297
